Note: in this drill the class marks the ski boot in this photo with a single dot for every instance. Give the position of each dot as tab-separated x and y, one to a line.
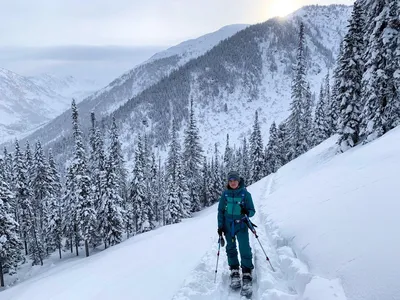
235	279
247	286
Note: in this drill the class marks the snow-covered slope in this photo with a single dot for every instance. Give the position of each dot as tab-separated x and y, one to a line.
28	102
339	214
327	222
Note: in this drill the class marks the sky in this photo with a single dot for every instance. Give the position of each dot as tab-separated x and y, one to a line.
102	36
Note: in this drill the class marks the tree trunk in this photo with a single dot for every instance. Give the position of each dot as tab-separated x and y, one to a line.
87	248
1	274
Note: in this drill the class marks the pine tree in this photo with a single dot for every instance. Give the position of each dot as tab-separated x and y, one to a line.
283	145
350	71
298	119
81	209
173	153
153	192
97	168
111	222
256	154
53	231
206	197
173	207
10	245
217	183
321	128
307	119
272	150
245	161
138	191
183	193
333	108
192	160
381	112
228	157
41	193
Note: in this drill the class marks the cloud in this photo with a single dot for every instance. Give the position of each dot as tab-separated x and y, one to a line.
102	63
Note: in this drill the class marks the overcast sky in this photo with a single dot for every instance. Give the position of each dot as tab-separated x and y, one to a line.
48	35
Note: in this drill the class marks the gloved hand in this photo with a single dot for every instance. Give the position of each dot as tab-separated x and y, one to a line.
244	211
220	231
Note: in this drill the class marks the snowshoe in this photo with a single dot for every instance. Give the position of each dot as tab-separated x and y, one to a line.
247	286
235	279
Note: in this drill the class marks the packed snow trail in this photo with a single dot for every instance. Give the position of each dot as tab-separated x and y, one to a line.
266	283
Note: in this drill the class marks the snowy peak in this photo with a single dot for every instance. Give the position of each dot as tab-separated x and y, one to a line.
195	47
151	71
28	102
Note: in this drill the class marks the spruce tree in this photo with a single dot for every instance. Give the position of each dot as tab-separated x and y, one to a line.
256	152
10	244
138	191
54	216
82	202
351	68
321	128
272	150
111	222
298	118
381	79
192	159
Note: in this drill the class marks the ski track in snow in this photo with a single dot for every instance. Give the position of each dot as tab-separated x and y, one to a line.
267	285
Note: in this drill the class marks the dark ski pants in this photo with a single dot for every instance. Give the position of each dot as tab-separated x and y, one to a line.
242	237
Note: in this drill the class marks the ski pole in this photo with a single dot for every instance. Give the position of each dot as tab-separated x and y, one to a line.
251	227
216	267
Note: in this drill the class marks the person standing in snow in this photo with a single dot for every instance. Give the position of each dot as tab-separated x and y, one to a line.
234	203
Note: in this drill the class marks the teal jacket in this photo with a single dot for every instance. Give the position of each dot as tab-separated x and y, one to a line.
240	194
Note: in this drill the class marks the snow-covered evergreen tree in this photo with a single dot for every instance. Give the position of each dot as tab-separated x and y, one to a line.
299	116
173	209
256	152
41	193
321	128
272	150
96	163
333	108
206	197
381	79
307	119
10	244
282	144
138	195
174	153
54	216
183	192
192	159
246	168
217	184
81	206
351	68
110	214
228	157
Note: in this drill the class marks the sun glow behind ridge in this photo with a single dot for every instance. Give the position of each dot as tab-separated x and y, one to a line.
280	8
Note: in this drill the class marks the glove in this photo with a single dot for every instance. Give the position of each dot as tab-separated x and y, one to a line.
244	211
220	231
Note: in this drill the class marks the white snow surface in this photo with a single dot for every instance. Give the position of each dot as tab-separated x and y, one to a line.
328	222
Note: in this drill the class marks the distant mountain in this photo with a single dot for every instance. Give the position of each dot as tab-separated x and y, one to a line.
29	102
160	65
248	71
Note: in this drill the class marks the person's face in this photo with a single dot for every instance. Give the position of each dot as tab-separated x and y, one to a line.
233	183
